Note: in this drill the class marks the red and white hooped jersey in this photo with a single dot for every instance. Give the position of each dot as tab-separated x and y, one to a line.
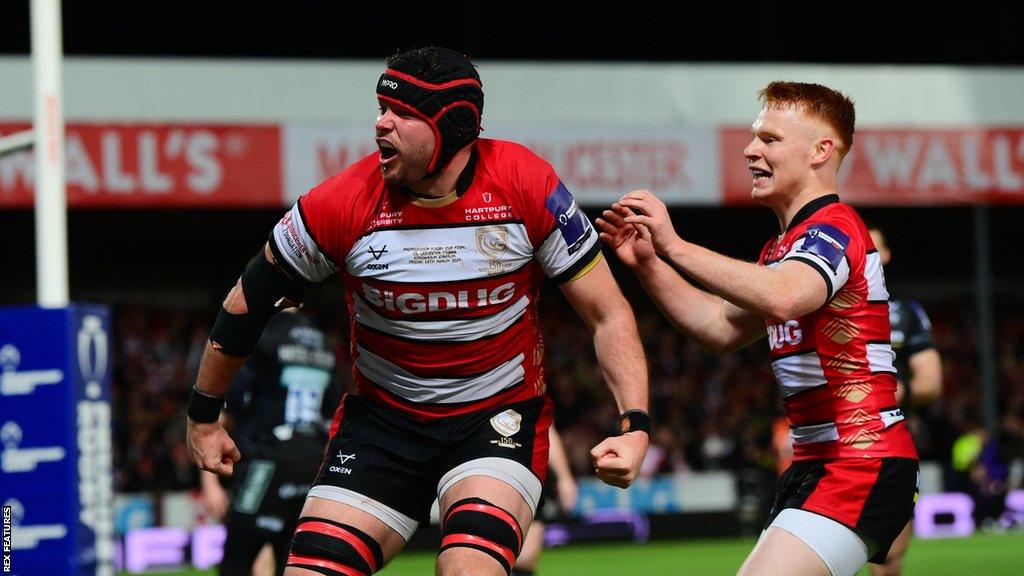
442	300
834	366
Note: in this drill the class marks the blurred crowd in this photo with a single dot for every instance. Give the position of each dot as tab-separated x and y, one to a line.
709	411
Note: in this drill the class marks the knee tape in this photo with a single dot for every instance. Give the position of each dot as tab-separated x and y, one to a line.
334	549
476	523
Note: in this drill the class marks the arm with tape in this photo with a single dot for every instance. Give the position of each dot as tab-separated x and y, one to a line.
266	287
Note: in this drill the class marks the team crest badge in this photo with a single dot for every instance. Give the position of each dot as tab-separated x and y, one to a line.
507	423
492	242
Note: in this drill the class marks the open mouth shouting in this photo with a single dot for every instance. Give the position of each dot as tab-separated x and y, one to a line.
761	175
388	152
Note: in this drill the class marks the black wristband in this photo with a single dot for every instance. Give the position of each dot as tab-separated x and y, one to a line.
635	421
204	408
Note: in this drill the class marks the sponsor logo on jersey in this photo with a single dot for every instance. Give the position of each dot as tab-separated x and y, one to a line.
386	218
389	84
377	253
294	239
418	303
826	242
571	222
480	213
786	334
507	423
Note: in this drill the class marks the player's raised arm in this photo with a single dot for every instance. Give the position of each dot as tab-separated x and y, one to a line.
708	319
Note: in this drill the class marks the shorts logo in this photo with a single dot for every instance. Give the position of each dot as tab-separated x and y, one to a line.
344	458
507	423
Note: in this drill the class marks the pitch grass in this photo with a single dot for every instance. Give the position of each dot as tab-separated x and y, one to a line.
979	555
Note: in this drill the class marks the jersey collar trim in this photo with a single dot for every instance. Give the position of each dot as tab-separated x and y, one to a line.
810	208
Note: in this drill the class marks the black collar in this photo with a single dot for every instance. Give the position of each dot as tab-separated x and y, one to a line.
812	207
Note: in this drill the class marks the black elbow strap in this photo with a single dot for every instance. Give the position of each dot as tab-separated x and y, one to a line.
267	288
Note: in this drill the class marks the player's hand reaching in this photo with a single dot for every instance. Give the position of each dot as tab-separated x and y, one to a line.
632	244
617	460
651	213
211	448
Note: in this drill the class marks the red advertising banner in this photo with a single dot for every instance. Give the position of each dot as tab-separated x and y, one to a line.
908	167
156	166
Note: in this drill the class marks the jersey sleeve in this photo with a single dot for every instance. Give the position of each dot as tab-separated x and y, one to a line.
307	237
571	245
918	337
824	247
